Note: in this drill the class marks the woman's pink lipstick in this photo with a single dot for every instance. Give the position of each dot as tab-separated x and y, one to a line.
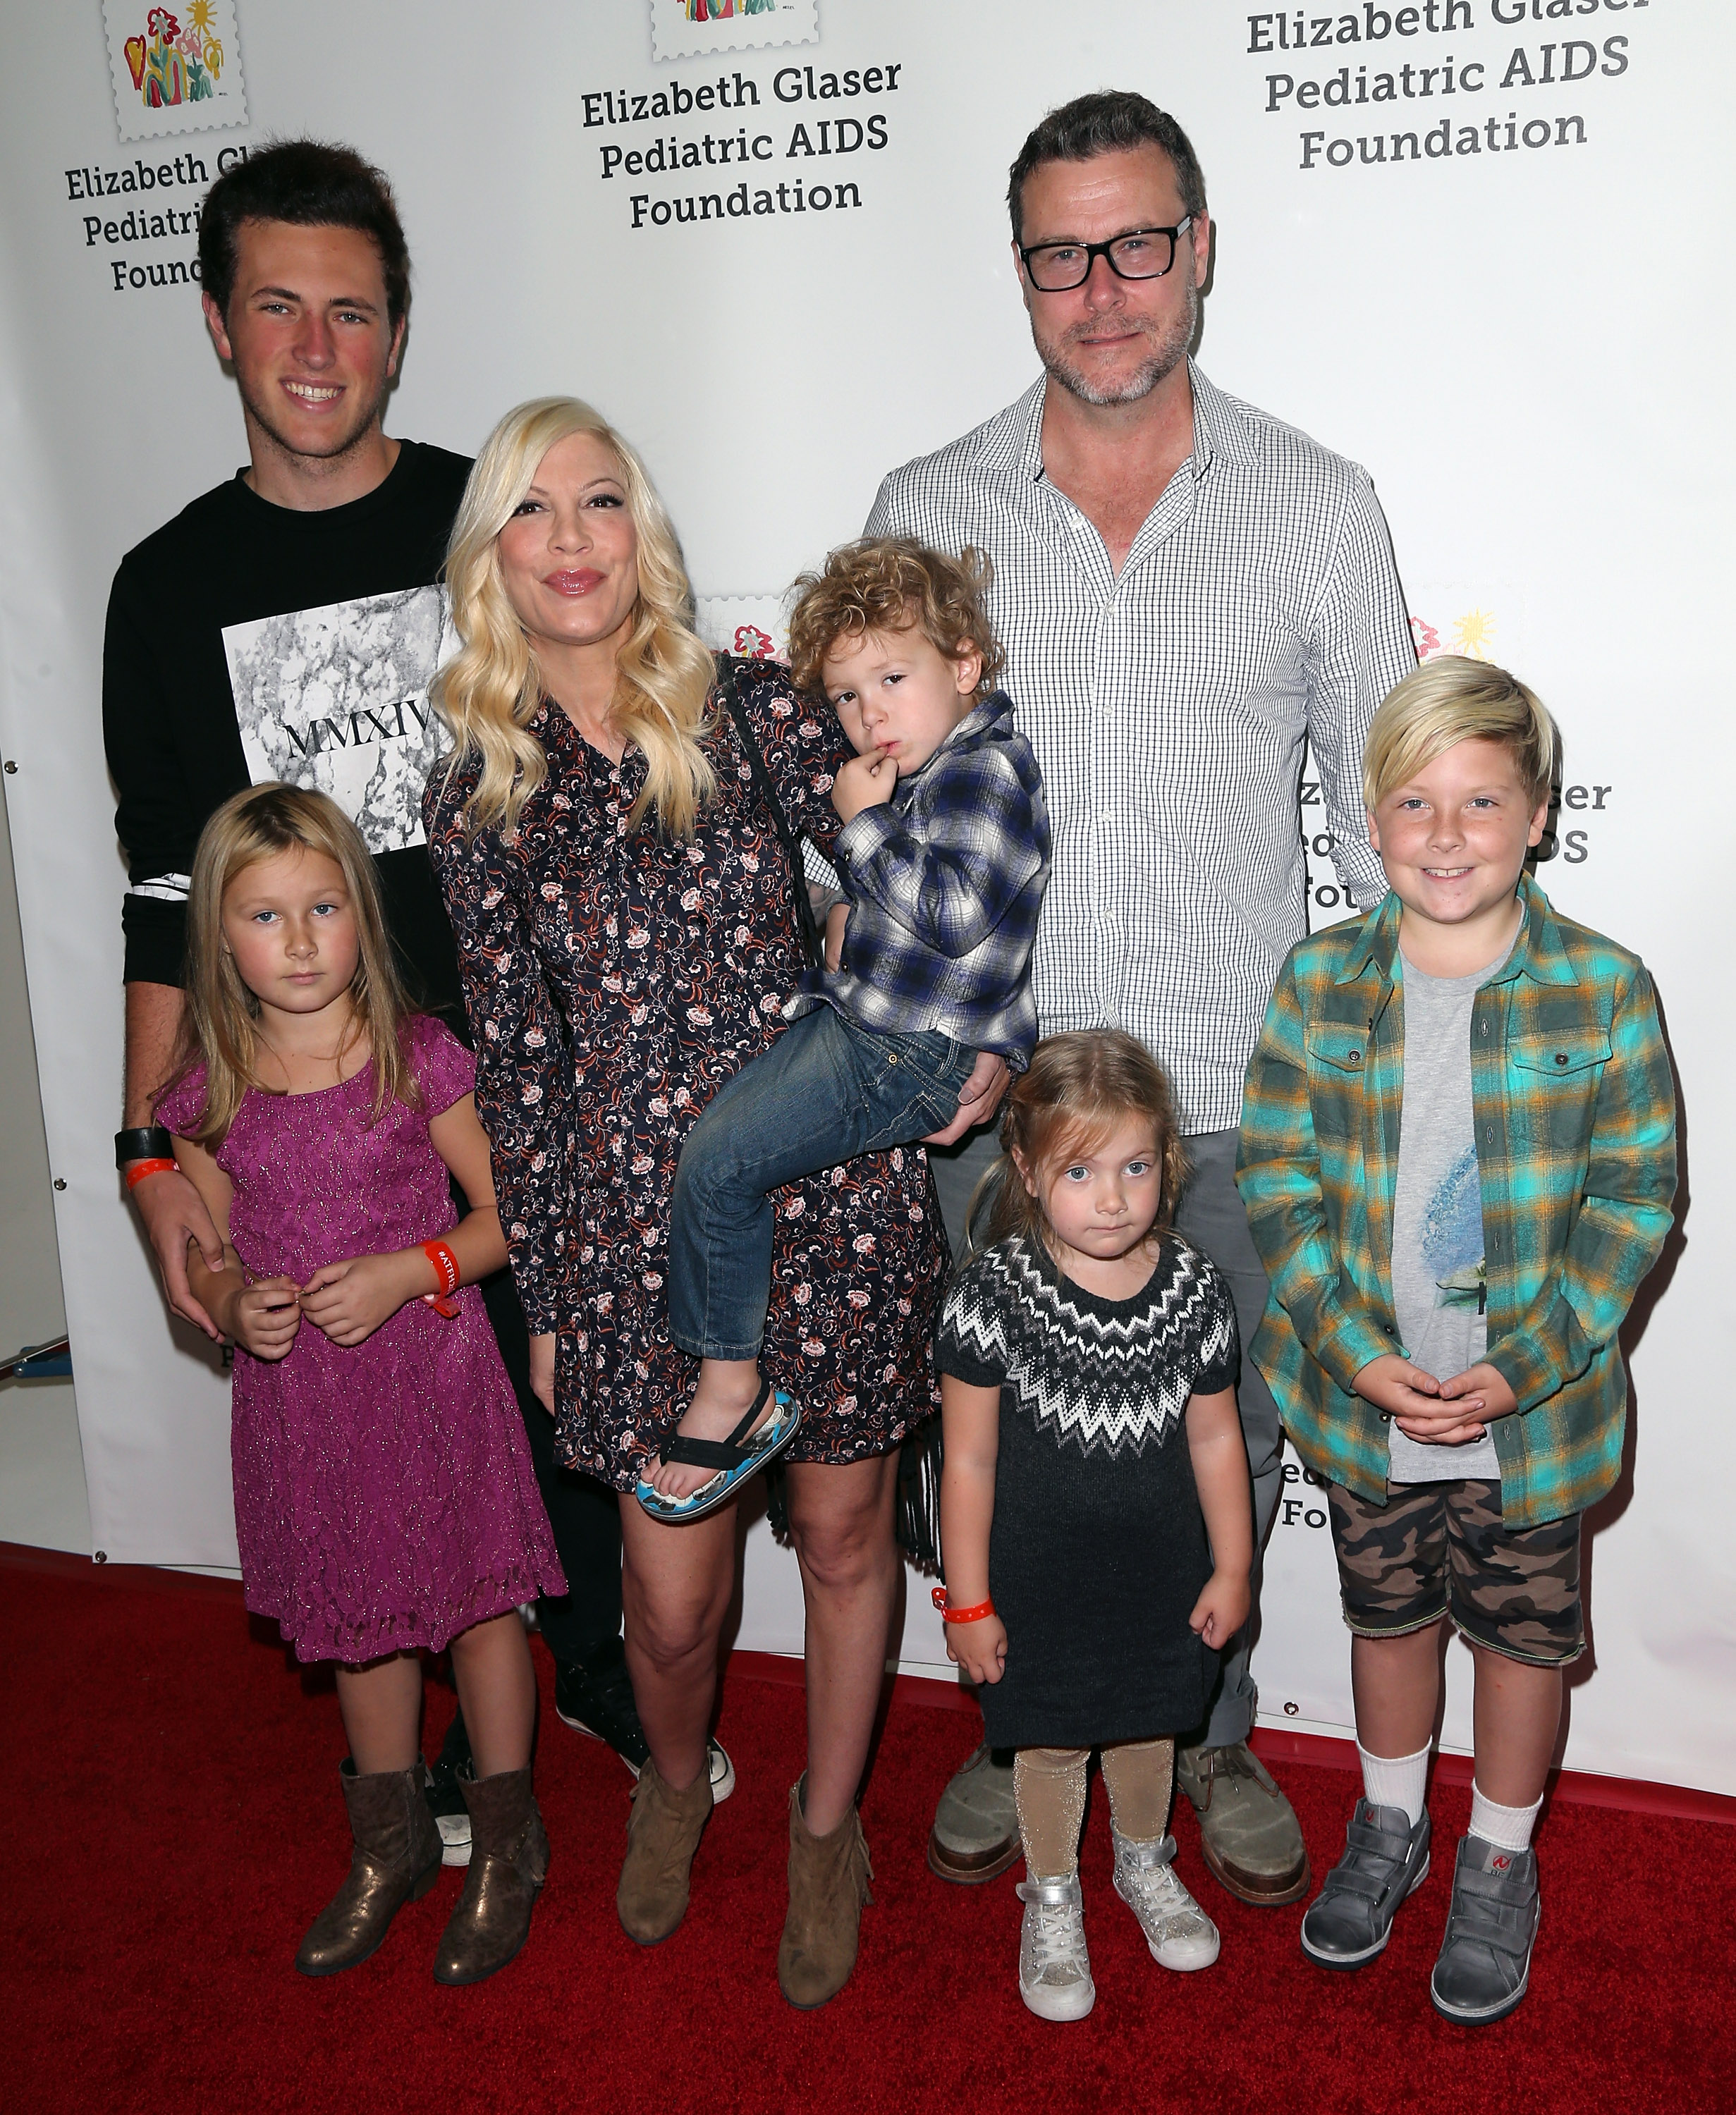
577	582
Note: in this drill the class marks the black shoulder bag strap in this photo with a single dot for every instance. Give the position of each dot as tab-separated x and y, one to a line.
813	942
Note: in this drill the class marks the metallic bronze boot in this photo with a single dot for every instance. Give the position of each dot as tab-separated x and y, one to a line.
662	1833
509	1861
829	1885
396	1859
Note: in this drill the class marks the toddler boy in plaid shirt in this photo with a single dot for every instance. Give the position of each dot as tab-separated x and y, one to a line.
942	857
1458	1155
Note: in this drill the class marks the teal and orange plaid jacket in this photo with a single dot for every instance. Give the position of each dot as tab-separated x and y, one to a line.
1576	1144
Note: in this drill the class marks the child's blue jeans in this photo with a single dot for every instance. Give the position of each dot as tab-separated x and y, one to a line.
825	1092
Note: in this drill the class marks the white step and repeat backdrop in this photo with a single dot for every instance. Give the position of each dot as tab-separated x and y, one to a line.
1480	246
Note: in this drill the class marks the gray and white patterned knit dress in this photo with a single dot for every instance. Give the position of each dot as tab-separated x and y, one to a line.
1098	1552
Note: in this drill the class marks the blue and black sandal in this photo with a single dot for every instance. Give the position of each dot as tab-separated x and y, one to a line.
735	1459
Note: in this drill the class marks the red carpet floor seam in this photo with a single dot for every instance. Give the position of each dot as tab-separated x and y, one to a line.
177	1823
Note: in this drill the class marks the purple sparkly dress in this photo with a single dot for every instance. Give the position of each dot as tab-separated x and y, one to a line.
384	1496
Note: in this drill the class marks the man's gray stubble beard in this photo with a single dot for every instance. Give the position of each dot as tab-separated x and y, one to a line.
1169	353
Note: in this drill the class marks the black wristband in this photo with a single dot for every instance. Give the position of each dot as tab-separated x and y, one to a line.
149	1142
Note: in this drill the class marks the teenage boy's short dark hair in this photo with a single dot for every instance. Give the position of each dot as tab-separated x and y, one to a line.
309	184
1109	123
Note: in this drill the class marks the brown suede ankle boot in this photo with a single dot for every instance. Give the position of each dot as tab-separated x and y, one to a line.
396	1859
829	1885
662	1833
509	1861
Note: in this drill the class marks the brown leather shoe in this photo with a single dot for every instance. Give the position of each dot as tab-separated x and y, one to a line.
829	1885
662	1833
975	1835
509	1861
1249	1834
396	1859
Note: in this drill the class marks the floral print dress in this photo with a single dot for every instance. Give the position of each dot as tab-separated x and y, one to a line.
614	980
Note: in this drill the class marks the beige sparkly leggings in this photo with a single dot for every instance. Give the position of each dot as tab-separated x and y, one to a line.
1048	1785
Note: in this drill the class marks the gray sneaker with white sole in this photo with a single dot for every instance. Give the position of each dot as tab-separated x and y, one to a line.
1484	1964
1385	1859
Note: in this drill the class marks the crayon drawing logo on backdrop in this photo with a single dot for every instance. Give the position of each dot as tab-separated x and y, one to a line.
1471	635
697	28
174	69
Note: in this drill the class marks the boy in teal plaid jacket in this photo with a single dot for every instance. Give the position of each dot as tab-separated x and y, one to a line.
1457	1156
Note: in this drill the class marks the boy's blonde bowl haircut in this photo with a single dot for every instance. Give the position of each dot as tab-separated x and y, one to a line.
1451	699
1077	1088
490	692
893	584
220	1021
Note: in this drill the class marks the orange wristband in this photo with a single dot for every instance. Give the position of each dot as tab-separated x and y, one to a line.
141	1169
974	1614
444	1300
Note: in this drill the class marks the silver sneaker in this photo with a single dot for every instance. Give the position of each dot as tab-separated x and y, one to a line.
1055	1969
1178	1932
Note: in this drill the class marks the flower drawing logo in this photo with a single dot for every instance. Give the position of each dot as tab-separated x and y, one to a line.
174	69
751	642
723	11
175	62
1472	635
697	28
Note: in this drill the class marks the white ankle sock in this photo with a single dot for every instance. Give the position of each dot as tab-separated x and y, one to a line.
1396	1780
1507	1828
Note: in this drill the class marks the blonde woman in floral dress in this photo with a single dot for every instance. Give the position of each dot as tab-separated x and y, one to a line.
625	918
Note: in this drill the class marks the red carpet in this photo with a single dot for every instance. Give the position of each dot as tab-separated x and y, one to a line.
177	1825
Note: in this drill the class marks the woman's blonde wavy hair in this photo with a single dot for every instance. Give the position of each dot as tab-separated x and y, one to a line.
490	692
219	1023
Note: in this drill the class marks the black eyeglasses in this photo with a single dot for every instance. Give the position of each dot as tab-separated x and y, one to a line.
1142	253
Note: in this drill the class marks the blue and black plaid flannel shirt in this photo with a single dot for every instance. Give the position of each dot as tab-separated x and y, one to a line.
945	880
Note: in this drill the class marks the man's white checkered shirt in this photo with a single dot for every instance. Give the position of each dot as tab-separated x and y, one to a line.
1168	707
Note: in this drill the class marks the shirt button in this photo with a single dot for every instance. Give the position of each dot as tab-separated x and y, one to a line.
1561	1057
1489	1135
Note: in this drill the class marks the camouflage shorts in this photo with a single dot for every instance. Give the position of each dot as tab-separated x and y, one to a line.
1440	1549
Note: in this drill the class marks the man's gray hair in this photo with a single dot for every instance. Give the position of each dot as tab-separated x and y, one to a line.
1109	123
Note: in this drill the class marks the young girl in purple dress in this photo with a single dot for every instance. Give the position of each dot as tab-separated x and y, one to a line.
385	1501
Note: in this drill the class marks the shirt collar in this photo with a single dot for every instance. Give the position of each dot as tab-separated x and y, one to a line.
1014	442
1538	952
1218	427
982	718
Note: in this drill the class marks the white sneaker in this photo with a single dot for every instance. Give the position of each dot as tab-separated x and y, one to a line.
1055	1969
1177	1929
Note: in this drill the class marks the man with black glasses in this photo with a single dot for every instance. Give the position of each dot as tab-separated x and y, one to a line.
1187	590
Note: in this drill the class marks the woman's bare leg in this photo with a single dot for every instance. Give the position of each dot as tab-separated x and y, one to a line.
676	1586
841	1522
497	1692
381	1708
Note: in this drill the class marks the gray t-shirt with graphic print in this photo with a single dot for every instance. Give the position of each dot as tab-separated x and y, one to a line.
1438	1290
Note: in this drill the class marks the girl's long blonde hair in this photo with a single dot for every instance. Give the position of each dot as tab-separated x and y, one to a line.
490	692
219	1022
1078	1087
